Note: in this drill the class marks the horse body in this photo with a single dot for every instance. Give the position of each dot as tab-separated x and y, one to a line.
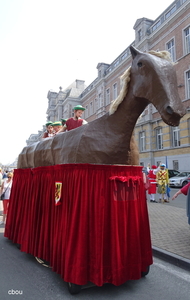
109	139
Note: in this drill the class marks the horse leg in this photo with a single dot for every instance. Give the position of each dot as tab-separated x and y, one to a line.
134	152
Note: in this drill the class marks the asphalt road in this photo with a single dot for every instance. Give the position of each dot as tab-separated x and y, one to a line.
180	201
22	277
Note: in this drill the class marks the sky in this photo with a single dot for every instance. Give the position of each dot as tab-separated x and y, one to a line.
46	44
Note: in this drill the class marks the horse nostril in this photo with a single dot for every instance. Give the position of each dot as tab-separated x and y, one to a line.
169	110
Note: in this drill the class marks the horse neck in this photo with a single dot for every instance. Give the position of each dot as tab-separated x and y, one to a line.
127	113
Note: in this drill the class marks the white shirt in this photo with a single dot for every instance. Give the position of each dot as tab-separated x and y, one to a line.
154	170
7	188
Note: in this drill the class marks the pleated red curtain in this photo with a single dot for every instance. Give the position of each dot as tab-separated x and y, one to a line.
100	231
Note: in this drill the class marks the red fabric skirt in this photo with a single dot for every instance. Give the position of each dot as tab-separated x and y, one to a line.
152	188
99	232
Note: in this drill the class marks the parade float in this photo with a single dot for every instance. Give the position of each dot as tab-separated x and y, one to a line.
78	199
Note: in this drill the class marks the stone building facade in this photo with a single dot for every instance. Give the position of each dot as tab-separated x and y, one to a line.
156	140
60	105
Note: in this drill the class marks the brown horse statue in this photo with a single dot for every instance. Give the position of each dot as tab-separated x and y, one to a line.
109	139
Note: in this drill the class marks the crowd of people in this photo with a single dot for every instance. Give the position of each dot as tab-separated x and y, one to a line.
6	180
53	128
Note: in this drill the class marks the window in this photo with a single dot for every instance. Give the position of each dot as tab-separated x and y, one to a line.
99	100
91	109
171	48
159	139
188	84
70	110
96	104
125	54
175	165
170	12
107	96
188	127
139	35
86	112
156	25
175	137
114	91
142	141
116	63
187	40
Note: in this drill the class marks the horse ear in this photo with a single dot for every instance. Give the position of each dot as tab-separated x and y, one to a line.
134	51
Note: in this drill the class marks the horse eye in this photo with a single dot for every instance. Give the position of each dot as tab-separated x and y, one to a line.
139	64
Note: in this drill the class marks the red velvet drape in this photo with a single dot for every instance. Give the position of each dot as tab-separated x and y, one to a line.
99	233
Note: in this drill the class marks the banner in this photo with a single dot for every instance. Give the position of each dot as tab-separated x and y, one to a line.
58	190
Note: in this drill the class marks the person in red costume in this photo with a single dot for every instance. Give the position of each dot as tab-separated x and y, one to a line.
152	180
183	190
76	121
49	130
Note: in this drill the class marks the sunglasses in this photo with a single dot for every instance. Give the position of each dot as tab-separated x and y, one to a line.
9	177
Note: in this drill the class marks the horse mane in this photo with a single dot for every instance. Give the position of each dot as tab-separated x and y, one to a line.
125	78
162	54
115	103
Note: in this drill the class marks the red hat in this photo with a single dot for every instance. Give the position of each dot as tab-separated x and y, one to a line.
154	167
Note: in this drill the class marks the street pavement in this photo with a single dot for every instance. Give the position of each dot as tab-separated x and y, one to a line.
170	232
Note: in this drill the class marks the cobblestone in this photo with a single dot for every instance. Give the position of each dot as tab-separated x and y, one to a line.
170	232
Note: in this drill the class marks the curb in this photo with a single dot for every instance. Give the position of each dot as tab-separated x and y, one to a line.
172	258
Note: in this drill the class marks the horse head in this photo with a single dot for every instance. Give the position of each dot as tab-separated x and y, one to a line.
154	79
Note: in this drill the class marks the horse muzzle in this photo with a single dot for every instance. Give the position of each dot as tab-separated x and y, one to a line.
172	116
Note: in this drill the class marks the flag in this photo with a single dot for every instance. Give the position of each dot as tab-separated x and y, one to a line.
167	185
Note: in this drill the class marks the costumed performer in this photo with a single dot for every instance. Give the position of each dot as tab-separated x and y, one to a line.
162	180
152	180
49	130
57	126
76	121
63	121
